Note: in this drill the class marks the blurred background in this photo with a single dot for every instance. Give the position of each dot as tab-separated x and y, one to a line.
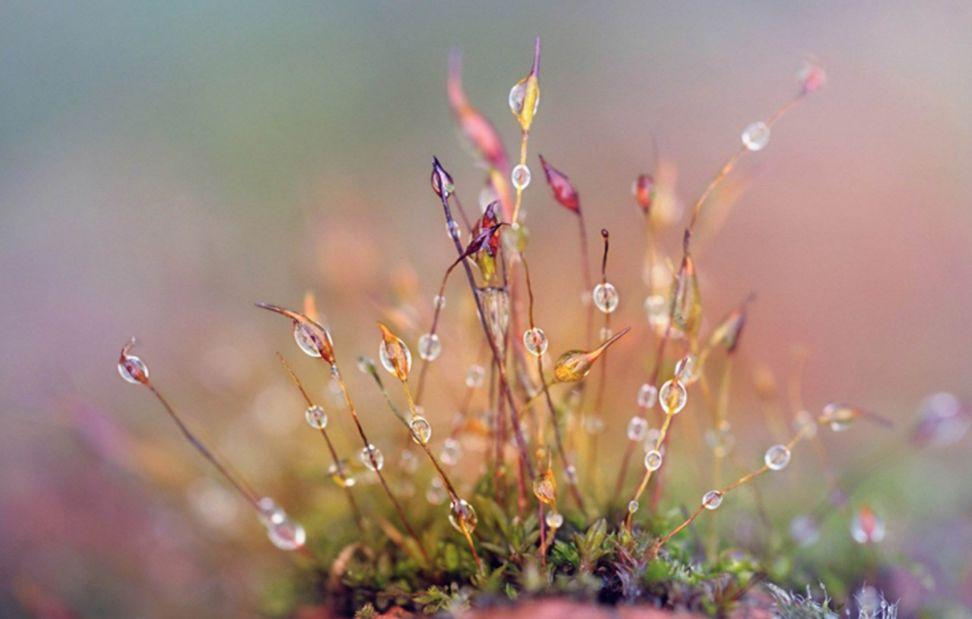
165	165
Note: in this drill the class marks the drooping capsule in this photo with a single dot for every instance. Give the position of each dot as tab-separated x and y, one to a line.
574	365
647	396
672	397
606	297
866	526
535	341
712	499
637	427
429	346
561	187
777	457
372	458
463	517
687	315
421	429
554	520
756	136
394	354
653	460
130	367
728	332
316	417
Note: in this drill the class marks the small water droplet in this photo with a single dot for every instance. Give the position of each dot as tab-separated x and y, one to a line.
712	499
429	346
463	516
451	450
535	341
453	230
866	527
133	369
554	520
637	427
632	506
421	429
475	376
804	531
316	417
286	535
307	340
672	397
435	494
521	176
653	460
685	369
777	457
341	474
720	440
805	424
594	424
438	302
647	396
407	461
756	136
606	297
839	416
370	453
398	350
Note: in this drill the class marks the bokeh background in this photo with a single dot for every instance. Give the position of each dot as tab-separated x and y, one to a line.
165	165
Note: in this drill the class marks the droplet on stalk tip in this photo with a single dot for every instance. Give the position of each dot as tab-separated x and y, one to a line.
554	520
632	506
867	527
475	376
524	97
394	354
606	297
340	473
316	417
372	458
429	346
521	176
637	427
463	516
653	460
132	368
712	499
777	457
535	341
756	136
647	396
672	397
421	429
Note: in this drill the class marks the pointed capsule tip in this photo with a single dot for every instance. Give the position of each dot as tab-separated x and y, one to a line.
536	57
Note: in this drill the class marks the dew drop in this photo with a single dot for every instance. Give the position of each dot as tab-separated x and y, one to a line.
429	347
133	369
517	97
521	176
451	450
554	520
421	429
685	369
672	397
399	351
594	424
570	472
866	527
804	531
316	417
605	333
463	516
438	302
475	376
632	506
270	512
452	229
805	424
287	535
307	340
777	457
712	499
839	416
435	494
637	427
653	460
756	136
535	341
606	297
720	441
647	396
340	473
407	461
372	458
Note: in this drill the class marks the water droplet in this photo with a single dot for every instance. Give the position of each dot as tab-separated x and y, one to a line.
651	439
653	460
421	429
463	516
475	376
316	417
866	527
647	396
720	440
397	351
839	416
606	297
805	424
133	369
637	427
632	506
340	473
407	461
554	520
521	177
672	397
712	499
438	302
777	457
594	424
365	364
370	453
516	97
287	535
453	230
535	341
429	346
804	531
307	340
811	76
570	472
685	369
869	602
941	420
270	512
756	136
451	450
605	333
435	494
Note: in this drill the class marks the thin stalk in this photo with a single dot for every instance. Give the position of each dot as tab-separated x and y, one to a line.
662	434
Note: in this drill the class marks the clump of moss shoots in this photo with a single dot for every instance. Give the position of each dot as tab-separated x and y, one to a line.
510	501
